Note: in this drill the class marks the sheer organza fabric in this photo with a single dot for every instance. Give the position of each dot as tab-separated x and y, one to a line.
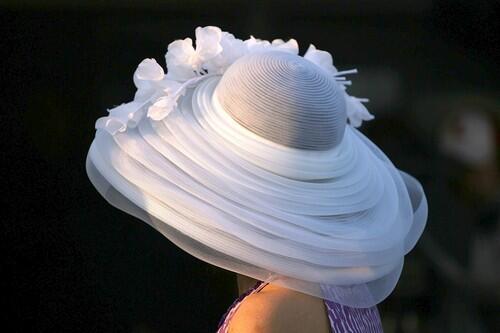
334	224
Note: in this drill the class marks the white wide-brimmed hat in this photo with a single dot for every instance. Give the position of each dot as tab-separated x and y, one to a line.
246	155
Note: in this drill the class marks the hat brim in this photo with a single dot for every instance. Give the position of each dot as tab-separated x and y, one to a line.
335	224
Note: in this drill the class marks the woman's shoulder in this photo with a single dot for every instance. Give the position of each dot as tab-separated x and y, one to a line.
275	309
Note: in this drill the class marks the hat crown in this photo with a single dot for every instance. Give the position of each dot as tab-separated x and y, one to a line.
284	98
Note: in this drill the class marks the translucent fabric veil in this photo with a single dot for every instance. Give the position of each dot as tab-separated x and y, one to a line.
334	224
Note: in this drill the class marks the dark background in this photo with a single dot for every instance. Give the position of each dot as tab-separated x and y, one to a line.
74	263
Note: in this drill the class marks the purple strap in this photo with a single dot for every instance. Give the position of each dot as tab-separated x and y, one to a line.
343	319
346	319
222	321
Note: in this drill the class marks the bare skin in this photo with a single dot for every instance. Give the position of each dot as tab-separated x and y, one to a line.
275	309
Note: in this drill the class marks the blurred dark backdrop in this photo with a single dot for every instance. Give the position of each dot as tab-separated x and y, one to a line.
74	263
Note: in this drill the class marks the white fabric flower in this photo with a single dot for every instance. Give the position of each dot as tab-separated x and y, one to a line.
321	58
162	107
259	45
126	115
151	83
356	111
232	49
291	46
180	60
147	72
208	42
256	45
148	78
184	62
215	51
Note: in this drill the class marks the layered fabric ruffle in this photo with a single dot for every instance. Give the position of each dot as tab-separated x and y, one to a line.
334	224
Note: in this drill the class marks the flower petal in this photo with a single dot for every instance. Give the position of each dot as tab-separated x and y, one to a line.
257	45
232	49
146	78
356	111
180	58
321	58
162	107
126	115
208	42
110	125
291	46
148	70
